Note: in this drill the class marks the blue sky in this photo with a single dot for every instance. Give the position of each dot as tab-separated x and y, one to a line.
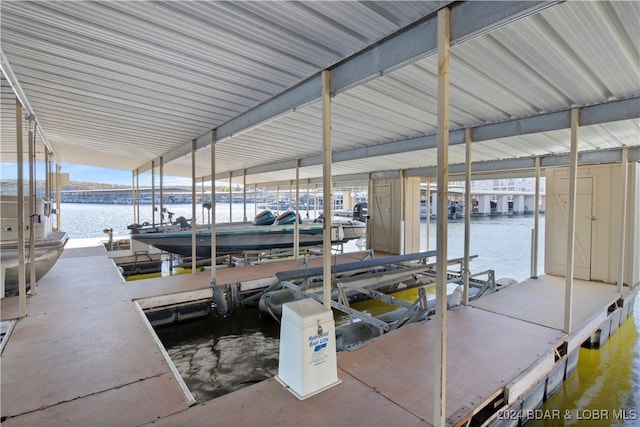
91	174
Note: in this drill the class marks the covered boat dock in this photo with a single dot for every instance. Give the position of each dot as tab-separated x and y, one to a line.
306	93
86	356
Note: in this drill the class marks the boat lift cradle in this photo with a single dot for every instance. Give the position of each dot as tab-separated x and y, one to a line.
369	276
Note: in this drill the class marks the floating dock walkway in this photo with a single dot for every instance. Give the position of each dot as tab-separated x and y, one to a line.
86	355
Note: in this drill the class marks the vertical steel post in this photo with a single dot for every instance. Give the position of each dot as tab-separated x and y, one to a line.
153	192
133	194
244	194
193	208
428	208
161	171
440	388
202	197
571	228
296	227
467	215
624	176
58	196
326	186
403	201
230	196
213	208
32	204
536	223
47	175
22	283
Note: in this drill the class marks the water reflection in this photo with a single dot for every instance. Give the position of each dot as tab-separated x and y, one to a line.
605	388
216	356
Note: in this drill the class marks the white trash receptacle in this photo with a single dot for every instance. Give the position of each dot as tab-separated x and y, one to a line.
307	363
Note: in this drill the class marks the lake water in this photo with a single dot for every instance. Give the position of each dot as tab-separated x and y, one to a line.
501	243
216	356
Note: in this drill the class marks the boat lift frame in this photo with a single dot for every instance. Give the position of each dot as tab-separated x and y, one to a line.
365	275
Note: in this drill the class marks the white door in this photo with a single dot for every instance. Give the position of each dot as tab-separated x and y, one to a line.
584	219
380	221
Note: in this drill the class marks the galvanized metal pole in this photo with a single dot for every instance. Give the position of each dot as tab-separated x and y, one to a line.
290	193
536	223
161	190
58	196
326	186
308	181
440	388
47	175
193	207
624	176
244	194
153	192
403	200
202	198
133	194
571	227
32	204
137	200
213	208
428	208
368	232
230	196
296	227
22	285
467	215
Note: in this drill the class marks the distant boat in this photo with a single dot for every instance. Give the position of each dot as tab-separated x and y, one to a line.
237	238
48	243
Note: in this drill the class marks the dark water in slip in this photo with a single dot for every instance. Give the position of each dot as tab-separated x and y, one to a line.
216	356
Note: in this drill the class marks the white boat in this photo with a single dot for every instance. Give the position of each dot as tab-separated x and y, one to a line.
238	238
48	243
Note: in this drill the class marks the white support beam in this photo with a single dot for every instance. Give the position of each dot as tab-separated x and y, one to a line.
153	192
536	224
32	203
428	212
22	283
213	208
597	114
571	227
244	195
440	367
133	195
624	176
296	226
161	173
193	208
59	197
326	187
467	215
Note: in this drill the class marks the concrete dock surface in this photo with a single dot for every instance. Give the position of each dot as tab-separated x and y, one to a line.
85	355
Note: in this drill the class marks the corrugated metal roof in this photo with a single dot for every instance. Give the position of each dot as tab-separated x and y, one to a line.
118	84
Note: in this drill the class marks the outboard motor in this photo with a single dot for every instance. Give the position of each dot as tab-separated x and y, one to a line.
361	211
288	217
183	223
264	218
135	228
